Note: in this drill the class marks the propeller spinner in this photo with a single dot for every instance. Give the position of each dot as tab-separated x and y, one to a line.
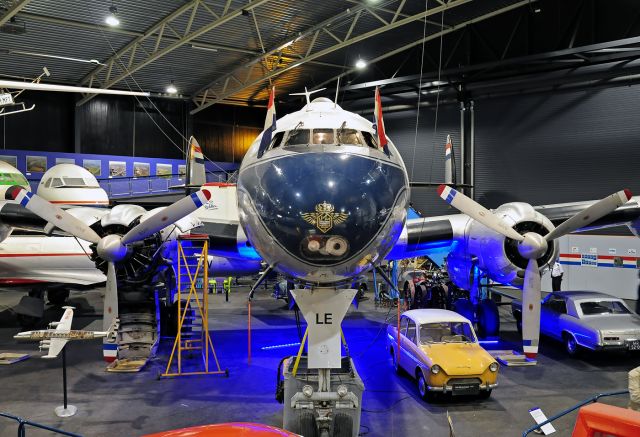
532	246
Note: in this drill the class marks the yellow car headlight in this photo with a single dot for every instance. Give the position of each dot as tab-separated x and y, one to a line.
493	367
435	369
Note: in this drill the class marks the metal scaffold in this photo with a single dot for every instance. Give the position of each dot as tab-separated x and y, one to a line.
193	349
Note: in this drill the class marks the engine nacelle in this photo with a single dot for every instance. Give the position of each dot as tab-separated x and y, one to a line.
495	254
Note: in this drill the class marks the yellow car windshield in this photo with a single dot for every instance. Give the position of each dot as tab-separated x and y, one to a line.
446	332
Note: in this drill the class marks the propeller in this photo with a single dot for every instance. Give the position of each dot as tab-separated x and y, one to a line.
532	246
111	248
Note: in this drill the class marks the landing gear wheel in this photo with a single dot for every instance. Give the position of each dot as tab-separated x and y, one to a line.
307	424
57	297
485	394
571	345
342	425
488	319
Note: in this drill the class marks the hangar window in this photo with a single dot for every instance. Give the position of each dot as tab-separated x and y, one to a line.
323	136
298	137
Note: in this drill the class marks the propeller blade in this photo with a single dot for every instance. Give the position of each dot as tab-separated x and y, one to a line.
53	214
110	312
110	298
531	296
477	212
591	214
167	216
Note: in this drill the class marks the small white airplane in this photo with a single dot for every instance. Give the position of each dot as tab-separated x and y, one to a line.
54	340
72	185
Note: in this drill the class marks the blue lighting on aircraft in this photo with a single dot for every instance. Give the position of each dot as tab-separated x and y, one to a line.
248	252
279	346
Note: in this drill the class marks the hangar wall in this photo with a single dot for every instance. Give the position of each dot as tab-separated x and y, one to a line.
557	147
49	127
121	125
539	148
428	149
589	263
117	125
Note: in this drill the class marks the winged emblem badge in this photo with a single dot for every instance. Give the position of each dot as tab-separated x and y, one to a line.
324	218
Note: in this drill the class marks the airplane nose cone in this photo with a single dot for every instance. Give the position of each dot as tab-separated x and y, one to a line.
321	208
533	246
110	248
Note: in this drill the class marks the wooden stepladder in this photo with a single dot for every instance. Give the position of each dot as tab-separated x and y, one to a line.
193	348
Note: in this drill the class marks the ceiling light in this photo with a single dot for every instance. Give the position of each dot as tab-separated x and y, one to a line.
171	89
360	64
112	19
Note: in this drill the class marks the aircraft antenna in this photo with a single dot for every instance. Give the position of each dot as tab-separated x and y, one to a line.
307	93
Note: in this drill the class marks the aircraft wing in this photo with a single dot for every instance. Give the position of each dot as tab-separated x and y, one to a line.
436	235
55	347
65	321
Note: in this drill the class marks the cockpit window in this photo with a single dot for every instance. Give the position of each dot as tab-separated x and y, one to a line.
48	183
56	182
298	137
74	182
16	178
323	136
276	141
370	140
349	136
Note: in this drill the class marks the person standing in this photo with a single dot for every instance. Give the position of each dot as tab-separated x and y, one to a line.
556	276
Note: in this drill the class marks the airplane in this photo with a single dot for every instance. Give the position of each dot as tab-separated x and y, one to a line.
72	185
59	263
54	340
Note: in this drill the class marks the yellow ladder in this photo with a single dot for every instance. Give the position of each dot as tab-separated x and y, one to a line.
193	311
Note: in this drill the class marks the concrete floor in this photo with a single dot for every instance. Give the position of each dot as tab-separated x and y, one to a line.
135	404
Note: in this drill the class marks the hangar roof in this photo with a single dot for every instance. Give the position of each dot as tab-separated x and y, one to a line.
232	51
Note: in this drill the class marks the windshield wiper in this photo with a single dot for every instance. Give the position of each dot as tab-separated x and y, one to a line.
293	132
342	126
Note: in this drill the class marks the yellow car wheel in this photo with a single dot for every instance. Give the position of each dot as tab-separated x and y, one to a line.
422	388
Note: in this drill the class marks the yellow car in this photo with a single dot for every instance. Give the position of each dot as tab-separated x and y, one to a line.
440	348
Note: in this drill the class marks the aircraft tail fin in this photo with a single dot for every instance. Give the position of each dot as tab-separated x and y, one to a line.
196	175
448	162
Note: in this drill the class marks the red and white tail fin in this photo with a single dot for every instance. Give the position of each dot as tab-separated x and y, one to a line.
196	175
448	162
